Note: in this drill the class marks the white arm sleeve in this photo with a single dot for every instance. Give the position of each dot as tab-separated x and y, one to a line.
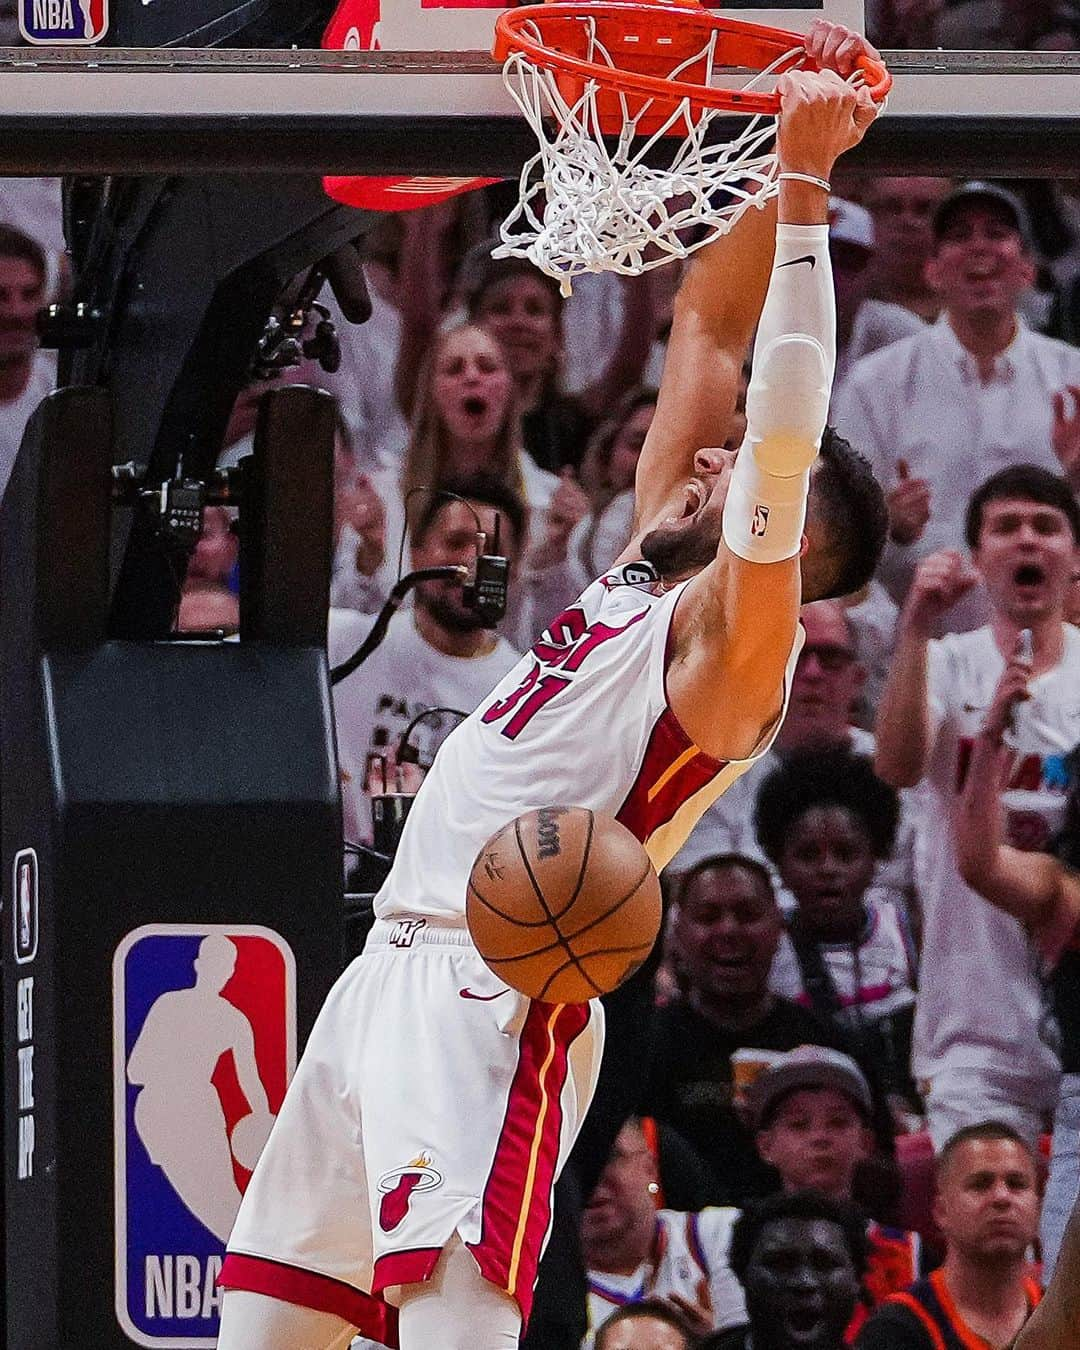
787	402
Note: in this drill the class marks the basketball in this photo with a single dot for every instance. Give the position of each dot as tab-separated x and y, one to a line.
563	904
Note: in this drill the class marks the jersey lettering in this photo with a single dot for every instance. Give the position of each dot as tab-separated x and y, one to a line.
565	645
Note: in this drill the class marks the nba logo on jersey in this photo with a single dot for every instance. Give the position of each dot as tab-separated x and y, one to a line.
204	1043
77	22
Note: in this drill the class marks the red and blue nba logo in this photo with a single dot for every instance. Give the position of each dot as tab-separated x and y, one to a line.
76	22
204	1044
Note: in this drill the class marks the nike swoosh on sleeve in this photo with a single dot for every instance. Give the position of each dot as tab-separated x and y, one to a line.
794	262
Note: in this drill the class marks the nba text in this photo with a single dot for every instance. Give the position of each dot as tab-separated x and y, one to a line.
182	1286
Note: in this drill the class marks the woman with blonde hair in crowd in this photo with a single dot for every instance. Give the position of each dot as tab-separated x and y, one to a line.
464	422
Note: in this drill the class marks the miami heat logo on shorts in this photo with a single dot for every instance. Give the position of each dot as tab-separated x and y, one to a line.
399	1186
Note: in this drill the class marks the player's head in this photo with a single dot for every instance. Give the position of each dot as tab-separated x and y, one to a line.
825	819
846	526
1023	529
987	1203
624	1199
726	930
444	534
22	292
651	1324
800	1258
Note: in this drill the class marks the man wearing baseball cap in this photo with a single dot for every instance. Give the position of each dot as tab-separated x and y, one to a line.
975	393
811	1111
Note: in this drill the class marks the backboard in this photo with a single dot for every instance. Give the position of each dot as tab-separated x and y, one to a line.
428	99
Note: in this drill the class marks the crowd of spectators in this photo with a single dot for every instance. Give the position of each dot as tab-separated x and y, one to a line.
854	1059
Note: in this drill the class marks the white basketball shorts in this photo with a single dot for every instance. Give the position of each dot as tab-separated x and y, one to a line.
430	1099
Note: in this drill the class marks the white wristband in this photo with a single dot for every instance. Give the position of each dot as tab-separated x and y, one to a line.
806	178
764	515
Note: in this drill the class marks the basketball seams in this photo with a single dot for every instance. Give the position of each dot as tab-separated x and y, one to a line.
645	947
581	874
547	910
507	918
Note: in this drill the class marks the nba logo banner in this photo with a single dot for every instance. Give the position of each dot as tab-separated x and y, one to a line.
204	1044
75	22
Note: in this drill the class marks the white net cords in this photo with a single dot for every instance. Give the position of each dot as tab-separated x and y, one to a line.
604	209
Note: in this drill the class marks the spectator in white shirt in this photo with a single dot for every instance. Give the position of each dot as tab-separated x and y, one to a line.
940	412
985	1043
437	654
26	373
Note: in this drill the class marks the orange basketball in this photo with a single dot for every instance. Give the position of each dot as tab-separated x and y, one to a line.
563	904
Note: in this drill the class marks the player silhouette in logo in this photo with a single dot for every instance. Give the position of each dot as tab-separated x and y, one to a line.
89	26
178	1113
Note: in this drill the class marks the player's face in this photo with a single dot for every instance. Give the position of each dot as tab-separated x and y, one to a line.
471	386
1027	558
801	1285
815	1141
827	863
988	1201
980	266
622	1198
726	932
522	314
22	293
687	539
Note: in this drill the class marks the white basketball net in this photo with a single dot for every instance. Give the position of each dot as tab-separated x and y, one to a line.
607	210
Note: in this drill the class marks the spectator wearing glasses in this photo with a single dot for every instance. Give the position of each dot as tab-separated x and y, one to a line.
824	691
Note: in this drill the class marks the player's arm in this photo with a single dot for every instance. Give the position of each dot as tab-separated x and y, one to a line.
1033	887
716	310
1055	1323
738	619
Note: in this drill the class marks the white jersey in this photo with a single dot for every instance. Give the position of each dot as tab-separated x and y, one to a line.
689	1257
582	720
969	947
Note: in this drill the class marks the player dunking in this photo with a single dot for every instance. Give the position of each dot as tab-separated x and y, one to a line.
406	1188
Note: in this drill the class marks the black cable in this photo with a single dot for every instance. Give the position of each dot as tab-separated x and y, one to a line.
403	742
450	496
394	602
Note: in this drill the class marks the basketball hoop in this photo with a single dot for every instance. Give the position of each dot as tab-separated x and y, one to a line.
607	86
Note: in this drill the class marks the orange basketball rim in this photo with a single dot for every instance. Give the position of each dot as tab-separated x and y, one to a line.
664	51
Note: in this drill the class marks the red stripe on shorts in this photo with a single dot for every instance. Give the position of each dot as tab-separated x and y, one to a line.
370	1315
410	1267
517	1198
